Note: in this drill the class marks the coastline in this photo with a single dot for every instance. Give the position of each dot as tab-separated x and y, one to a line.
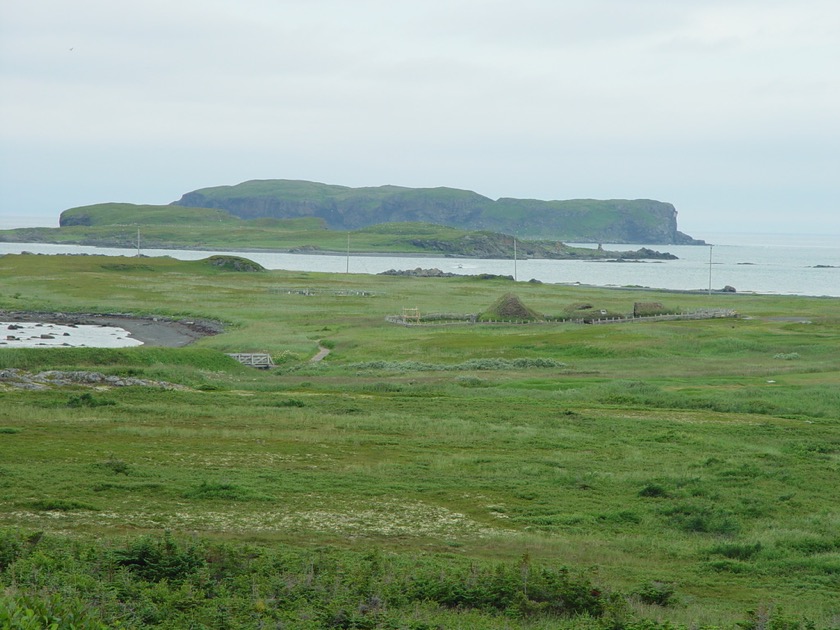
806	267
314	251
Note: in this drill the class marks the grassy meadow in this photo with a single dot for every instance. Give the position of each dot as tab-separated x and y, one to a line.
644	474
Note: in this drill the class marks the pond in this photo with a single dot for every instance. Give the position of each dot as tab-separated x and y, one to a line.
42	334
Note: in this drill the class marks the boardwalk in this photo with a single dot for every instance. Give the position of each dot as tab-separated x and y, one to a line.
262	361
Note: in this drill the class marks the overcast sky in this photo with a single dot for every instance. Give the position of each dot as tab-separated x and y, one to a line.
728	109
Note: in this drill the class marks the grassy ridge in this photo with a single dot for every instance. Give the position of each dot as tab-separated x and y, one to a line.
120	225
691	455
122	214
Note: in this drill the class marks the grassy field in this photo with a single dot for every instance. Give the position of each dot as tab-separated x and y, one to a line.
684	471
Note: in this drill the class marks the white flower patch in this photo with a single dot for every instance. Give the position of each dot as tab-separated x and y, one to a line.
383	517
388	518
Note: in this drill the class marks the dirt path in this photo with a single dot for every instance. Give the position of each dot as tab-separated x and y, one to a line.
322	353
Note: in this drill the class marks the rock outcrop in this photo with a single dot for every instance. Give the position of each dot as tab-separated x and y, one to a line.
21	379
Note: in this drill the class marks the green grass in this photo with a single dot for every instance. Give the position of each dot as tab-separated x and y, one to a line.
170	226
679	462
162	227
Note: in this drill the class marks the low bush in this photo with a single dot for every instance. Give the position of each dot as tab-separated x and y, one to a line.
51	581
656	593
290	402
737	551
465	366
472	381
702	519
653	490
527	590
60	505
156	559
53	611
89	400
222	491
115	466
11	547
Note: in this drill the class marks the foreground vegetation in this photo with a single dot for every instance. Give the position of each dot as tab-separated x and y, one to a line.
545	475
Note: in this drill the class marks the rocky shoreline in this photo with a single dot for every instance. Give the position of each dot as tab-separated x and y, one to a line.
434	272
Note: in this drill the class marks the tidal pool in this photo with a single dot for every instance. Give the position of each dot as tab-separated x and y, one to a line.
42	334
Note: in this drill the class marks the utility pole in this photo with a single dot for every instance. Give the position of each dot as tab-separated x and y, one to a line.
138	242
710	269
347	269
514	259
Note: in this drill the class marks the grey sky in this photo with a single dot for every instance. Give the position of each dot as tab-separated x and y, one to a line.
729	109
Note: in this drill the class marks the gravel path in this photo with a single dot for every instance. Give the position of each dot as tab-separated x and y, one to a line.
322	353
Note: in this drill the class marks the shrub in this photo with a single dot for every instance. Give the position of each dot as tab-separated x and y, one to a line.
653	490
772	619
223	491
60	505
115	466
702	519
52	611
812	545
87	400
523	589
658	593
290	402
736	551
472	381
642	309
469	365
156	559
10	548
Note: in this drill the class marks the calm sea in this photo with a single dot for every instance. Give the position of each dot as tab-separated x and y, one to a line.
756	263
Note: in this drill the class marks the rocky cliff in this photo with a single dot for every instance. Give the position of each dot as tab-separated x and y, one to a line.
344	208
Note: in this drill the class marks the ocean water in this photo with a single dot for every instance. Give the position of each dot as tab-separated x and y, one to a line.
750	263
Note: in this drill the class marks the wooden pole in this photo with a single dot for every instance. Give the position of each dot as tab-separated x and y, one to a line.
514	259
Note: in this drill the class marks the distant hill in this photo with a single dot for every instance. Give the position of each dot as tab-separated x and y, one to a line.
160	227
344	208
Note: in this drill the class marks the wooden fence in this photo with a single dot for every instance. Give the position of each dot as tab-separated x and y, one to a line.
448	319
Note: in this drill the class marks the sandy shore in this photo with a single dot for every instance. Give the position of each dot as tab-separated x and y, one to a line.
151	331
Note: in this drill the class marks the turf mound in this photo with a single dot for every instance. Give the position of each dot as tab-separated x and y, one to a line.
509	306
234	263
